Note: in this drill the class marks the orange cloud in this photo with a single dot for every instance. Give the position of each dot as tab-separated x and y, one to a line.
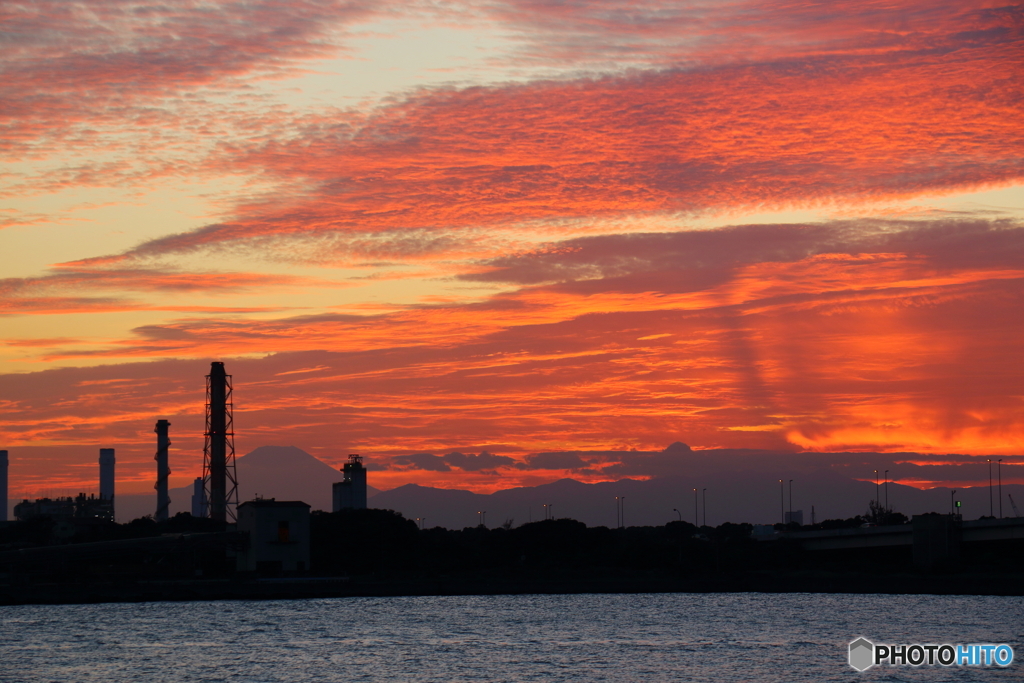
774	348
799	133
43	295
682	33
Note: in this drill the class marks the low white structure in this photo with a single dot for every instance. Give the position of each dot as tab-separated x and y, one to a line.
278	536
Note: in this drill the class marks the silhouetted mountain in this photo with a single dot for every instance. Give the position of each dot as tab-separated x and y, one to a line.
730	497
282	472
742	486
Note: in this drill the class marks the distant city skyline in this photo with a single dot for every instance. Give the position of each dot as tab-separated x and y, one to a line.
483	231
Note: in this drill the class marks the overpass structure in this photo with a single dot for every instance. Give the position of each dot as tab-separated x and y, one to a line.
934	537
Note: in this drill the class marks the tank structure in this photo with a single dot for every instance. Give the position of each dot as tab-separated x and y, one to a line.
163	471
350	492
3	486
219	476
107	462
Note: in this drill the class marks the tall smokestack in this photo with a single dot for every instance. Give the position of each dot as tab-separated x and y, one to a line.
198	498
219	454
163	470
3	486
107	474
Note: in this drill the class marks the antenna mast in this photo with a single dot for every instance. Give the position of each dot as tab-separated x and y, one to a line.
220	480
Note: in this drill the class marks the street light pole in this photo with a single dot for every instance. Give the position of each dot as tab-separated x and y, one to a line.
678	513
991	510
876	489
887	492
618	518
704	500
782	502
696	519
951	494
999	471
790	501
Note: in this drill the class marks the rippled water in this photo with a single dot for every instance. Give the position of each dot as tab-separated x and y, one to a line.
652	637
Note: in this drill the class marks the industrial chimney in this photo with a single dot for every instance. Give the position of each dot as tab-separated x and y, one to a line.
107	474
219	453
199	498
3	486
163	470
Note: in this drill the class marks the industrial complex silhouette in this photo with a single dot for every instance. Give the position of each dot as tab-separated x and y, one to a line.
71	549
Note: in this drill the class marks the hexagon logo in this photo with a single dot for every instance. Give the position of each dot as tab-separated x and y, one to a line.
862	654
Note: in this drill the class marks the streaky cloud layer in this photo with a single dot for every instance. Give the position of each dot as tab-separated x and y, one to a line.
873	336
816	132
70	65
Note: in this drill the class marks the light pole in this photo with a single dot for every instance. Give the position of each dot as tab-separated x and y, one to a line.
545	506
999	471
678	513
991	510
790	501
782	502
618	514
887	492
419	520
483	517
951	494
704	501
696	519
622	504
876	490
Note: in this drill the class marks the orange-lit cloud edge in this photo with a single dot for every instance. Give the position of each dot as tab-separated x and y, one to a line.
669	337
869	335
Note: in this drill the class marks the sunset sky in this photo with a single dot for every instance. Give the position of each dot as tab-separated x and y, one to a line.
493	229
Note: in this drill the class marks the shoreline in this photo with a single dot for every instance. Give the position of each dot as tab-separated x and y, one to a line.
1008	585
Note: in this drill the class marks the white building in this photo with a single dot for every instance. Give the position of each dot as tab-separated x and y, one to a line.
351	491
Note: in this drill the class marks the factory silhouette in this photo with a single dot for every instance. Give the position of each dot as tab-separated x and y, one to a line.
265	535
70	549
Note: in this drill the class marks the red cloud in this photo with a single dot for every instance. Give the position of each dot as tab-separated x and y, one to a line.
68	67
798	133
48	294
682	32
866	350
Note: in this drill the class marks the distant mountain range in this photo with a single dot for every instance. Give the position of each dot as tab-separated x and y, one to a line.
729	498
740	487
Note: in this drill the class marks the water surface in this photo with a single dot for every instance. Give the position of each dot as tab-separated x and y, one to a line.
620	638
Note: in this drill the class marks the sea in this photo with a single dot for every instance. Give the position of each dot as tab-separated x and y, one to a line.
617	638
